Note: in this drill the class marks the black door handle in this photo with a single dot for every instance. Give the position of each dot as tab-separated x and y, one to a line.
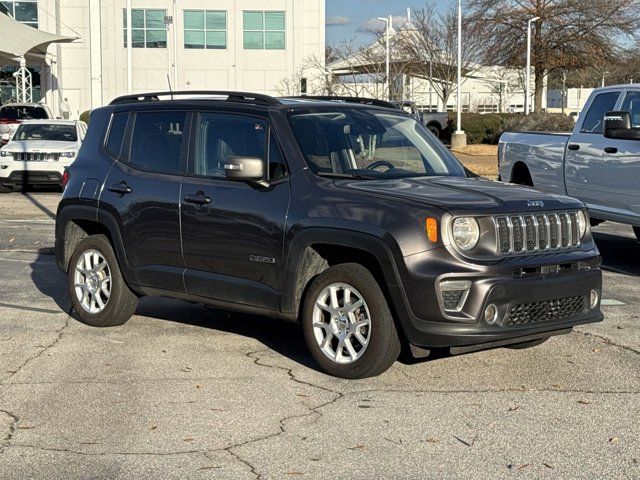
121	188
197	199
610	150
573	146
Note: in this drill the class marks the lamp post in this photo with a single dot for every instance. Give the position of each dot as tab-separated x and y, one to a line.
388	22
527	100
436	51
459	138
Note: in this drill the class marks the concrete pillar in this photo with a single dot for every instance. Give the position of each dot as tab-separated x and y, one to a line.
95	42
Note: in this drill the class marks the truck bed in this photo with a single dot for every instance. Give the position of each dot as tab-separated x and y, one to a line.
541	152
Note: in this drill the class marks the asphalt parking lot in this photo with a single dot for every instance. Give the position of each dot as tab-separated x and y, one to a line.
184	391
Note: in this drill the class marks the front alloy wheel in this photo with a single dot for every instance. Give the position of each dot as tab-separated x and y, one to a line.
347	323
341	323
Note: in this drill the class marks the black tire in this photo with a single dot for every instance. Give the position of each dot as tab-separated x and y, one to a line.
383	346
122	302
636	230
435	130
5	189
531	344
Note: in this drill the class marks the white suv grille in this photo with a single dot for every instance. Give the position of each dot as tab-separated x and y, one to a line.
542	232
36	157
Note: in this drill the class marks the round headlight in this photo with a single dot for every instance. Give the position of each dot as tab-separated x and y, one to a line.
582	223
466	233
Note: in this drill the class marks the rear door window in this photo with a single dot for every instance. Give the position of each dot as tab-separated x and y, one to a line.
603	103
156	141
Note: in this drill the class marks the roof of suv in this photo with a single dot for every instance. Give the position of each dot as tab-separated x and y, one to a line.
247	98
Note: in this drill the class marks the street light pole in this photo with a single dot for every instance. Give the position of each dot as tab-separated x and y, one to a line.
527	99
459	139
388	37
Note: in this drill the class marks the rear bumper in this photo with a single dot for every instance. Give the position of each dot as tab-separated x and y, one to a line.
528	307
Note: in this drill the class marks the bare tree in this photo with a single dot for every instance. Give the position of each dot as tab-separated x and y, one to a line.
429	46
570	34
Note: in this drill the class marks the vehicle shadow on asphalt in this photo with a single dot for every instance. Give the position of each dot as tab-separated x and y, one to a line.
282	337
620	254
49	280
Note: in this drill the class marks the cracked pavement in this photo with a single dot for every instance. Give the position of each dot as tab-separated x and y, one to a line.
184	391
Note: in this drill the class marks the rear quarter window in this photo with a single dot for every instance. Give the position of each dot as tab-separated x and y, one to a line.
115	136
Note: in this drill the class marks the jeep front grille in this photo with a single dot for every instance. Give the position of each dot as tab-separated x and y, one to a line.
546	311
520	234
36	157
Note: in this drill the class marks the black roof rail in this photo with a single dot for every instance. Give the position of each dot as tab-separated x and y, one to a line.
243	97
361	100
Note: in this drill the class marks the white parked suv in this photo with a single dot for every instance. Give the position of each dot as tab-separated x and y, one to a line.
38	153
13	114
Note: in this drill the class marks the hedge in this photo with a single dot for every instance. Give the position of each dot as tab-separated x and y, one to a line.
487	128
85	116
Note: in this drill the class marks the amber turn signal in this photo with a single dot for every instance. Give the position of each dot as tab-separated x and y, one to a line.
432	229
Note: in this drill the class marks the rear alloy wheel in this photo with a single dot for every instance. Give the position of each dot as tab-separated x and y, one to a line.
99	294
636	230
347	324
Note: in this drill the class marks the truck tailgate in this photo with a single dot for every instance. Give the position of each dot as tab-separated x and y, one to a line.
541	153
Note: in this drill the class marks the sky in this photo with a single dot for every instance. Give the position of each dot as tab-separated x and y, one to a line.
356	19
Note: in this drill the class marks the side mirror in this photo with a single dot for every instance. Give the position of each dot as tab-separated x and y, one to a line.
5	138
617	125
250	170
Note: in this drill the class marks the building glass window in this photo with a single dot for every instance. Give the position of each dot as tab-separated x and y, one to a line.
264	30
25	11
147	28
205	29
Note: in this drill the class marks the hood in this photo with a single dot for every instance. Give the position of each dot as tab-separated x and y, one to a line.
460	195
35	146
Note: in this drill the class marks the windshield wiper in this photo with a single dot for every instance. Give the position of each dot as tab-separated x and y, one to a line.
341	175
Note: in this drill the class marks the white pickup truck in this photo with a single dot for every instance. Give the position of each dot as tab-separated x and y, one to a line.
599	163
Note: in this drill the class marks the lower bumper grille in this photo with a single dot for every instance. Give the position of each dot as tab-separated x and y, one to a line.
547	310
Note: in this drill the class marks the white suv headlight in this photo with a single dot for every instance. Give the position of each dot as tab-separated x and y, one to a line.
68	154
4	153
466	233
583	223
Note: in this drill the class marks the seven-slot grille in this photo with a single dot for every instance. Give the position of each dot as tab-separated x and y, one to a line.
36	157
537	232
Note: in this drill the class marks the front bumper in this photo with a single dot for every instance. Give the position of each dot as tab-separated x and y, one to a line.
31	177
529	306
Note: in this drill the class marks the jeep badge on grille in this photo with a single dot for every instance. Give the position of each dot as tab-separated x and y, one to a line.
535	203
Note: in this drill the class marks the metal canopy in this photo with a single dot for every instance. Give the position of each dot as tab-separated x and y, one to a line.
18	40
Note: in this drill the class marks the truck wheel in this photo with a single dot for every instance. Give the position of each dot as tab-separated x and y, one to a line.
347	324
636	230
98	292
5	189
435	130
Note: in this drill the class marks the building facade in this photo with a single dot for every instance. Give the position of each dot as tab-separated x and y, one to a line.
250	45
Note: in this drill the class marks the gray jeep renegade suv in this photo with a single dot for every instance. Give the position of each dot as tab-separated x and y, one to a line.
347	217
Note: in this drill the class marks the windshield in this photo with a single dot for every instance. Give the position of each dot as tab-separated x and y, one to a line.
370	143
23	113
60	133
